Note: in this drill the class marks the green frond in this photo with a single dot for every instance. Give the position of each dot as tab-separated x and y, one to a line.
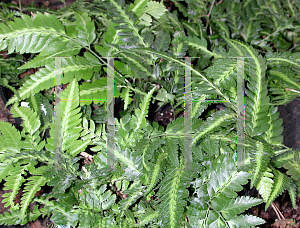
35	103
245	221
31	124
144	219
283	59
156	173
134	193
13	182
284	77
217	203
71	120
130	160
171	148
110	37
264	184
274	134
214	123
138	7
153	8
33	185
138	64
281	159
260	154
174	21
13	217
232	207
280	94
293	168
33	35
201	45
138	121
173	195
176	61
292	192
10	138
43	59
223	75
126	96
74	67
126	23
281	182
95	91
162	41
256	101
85	28
97	199
30	121
60	214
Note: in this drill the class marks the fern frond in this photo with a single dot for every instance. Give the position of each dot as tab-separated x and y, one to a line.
33	185
274	134
74	67
126	95
153	8
280	94
71	49
285	76
281	159
256	101
245	221
71	120
30	121
201	45
176	61
281	182
13	217
138	64
110	37
33	35
264	184
162	41
10	138
173	195
138	121
126	23
260	155
213	123
31	125
232	207
95	91
134	193
216	192
14	182
60	214
85	28
138	7
292	192
153	177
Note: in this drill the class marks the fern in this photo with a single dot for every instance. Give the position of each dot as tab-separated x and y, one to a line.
150	185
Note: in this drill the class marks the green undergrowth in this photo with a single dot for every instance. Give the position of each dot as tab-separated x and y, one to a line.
152	183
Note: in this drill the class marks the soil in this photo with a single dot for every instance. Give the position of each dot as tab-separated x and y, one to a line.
290	114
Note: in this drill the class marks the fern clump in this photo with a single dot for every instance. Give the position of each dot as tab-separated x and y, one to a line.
140	49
